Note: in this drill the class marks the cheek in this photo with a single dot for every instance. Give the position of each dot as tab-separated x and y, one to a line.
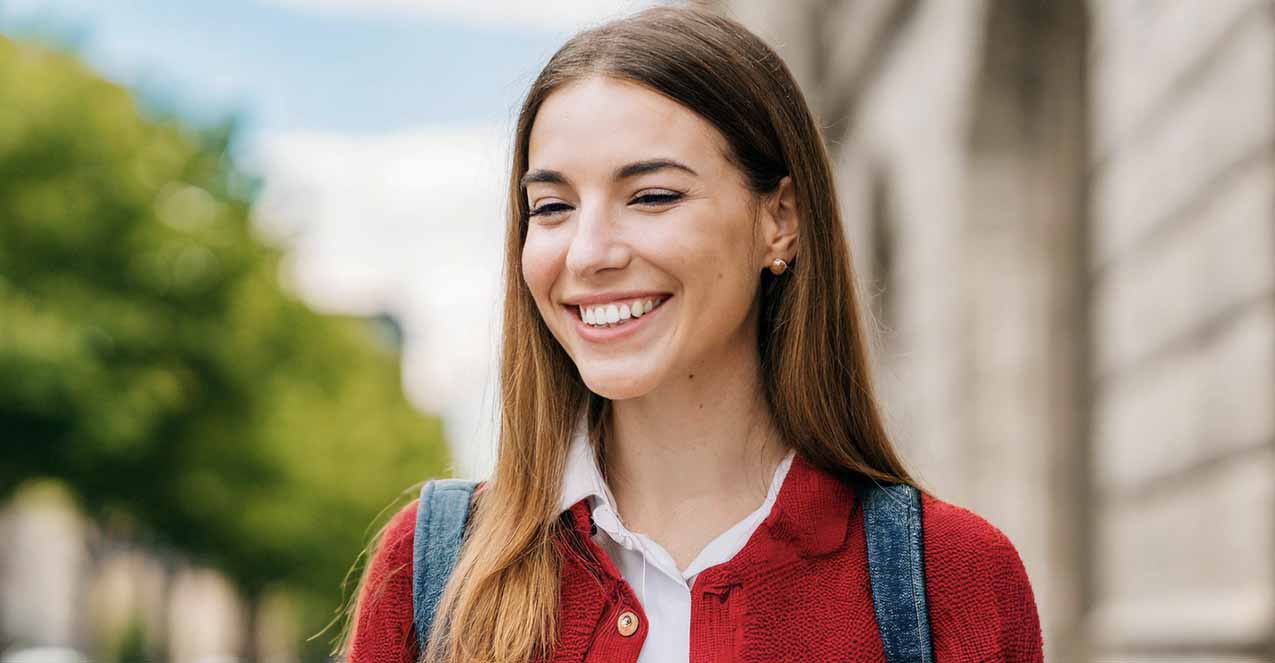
541	262
722	264
718	252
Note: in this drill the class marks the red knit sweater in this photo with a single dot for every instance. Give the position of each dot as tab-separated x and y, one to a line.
798	591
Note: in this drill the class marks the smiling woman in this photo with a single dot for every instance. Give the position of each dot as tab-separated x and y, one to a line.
692	465
673	221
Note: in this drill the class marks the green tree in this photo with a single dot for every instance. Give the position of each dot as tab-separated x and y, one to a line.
150	359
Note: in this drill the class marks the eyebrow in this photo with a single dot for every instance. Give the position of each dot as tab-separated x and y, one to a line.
623	172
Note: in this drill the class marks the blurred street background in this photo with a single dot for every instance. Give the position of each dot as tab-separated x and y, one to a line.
249	268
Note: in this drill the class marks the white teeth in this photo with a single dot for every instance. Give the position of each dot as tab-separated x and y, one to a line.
613	314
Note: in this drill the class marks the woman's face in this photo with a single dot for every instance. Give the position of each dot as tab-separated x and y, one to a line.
634	204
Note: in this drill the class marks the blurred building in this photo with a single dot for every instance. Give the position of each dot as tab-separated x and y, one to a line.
69	585
1064	213
44	550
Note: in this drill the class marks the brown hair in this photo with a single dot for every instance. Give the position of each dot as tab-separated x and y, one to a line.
500	605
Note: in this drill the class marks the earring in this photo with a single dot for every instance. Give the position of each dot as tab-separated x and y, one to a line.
778	266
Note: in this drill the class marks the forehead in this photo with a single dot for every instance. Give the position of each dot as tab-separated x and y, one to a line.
600	122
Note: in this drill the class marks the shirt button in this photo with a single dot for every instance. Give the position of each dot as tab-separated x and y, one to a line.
627	623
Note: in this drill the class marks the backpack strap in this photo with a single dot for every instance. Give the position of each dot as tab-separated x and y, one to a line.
441	517
892	522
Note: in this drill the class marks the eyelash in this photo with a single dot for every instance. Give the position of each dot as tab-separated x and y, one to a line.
658	199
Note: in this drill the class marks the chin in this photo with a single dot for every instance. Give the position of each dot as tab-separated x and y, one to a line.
618	387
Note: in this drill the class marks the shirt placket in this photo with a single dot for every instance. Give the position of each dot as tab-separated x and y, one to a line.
712	627
624	626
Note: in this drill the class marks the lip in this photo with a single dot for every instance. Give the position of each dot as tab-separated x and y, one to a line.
613	296
609	334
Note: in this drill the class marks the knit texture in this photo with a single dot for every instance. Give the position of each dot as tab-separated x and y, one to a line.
798	591
384	632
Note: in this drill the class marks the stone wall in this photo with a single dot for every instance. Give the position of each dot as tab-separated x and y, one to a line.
1064	215
1182	272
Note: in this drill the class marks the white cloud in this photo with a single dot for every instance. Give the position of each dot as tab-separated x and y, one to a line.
411	223
567	15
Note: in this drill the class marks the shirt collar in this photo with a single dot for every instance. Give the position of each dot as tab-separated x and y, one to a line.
811	514
581	477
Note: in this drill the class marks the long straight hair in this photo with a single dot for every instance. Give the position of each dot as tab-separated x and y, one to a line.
501	603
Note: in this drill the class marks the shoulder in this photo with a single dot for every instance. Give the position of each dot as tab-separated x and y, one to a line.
980	598
392	556
401	528
959	537
400	531
383	624
393	553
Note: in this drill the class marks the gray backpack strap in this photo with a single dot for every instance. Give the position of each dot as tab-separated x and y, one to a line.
892	522
441	516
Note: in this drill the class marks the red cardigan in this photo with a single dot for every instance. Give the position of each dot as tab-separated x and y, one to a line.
798	591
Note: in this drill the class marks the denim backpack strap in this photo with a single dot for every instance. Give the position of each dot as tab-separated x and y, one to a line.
892	520
441	516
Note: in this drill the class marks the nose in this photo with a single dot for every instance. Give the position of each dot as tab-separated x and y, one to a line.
597	243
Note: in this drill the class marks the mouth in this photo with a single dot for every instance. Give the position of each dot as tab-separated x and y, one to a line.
615	321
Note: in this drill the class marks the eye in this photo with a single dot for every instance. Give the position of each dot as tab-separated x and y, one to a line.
549	209
658	198
650	199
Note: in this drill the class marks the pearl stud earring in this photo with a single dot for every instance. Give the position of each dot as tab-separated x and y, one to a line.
778	266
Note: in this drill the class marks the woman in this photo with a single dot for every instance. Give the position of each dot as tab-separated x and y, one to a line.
687	410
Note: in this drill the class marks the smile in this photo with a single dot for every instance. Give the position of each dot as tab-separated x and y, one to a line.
611	321
618	313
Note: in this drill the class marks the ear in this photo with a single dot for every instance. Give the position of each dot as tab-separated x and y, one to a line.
780	223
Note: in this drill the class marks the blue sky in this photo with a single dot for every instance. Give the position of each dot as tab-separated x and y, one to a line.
287	67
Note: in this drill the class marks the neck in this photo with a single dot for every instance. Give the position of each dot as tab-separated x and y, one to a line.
701	449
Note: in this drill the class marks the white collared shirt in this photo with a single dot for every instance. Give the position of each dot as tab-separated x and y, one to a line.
663	590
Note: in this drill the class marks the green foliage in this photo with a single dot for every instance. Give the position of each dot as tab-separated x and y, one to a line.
133	645
149	358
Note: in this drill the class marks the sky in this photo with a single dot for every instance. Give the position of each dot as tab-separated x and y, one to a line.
381	130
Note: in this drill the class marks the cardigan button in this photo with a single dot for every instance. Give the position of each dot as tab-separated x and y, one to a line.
627	623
